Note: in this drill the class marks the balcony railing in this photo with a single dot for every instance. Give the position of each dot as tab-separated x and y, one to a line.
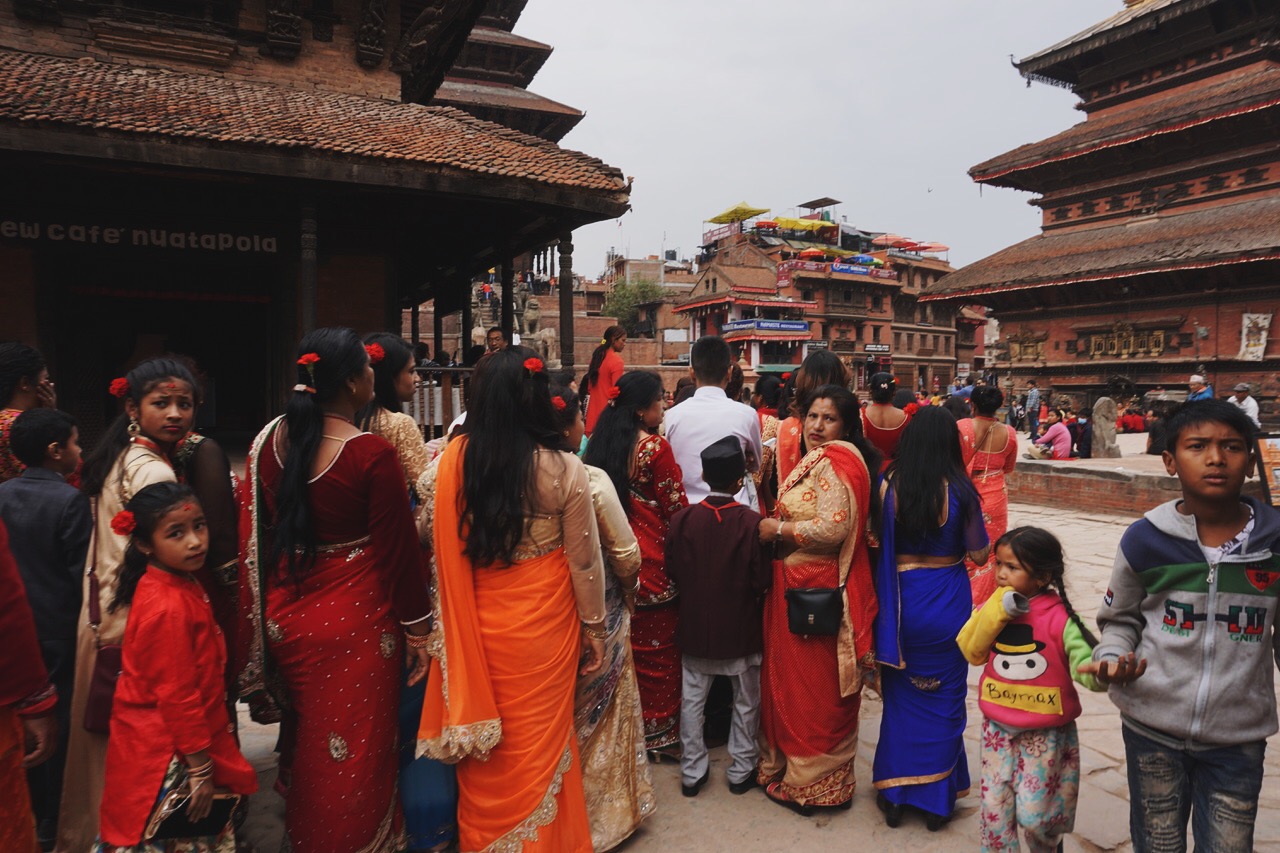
440	395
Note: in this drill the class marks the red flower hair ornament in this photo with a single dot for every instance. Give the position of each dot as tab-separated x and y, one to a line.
612	394
533	365
119	387
558	404
910	409
309	361
786	376
124	523
376	353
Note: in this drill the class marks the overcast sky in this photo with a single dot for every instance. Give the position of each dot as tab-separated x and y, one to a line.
882	105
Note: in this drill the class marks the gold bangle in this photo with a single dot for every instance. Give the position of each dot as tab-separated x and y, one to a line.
595	633
417	641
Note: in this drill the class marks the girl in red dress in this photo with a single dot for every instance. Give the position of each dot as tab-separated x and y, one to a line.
169	723
649	483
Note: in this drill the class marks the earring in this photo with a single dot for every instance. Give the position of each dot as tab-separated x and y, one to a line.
135	429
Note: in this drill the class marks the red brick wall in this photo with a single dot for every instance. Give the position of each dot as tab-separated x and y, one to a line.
1094	490
1217	352
327	66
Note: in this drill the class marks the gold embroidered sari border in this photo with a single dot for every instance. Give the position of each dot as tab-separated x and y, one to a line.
474	740
902	781
543	815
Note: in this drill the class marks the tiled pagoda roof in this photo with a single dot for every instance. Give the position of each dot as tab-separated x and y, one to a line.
1206	237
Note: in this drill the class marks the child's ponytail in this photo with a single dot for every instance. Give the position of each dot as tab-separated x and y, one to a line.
138	521
1075	617
1040	552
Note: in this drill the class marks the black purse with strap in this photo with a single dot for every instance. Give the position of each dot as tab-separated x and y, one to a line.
816	611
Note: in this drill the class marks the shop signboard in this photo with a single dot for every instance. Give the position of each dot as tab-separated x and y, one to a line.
766	325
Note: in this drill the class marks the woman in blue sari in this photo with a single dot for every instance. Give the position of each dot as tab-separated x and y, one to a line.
932	520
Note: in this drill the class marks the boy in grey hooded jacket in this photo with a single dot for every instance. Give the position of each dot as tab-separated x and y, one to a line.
1189	642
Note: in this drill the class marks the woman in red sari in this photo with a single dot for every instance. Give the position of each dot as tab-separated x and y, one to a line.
333	578
648	480
811	685
519	587
990	451
821	367
603	373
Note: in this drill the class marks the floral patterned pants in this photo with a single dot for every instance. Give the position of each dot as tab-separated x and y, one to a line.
1030	781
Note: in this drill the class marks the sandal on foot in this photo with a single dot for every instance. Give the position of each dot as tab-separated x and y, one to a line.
773	791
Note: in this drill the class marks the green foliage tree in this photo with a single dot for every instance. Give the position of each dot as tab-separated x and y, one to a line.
625	301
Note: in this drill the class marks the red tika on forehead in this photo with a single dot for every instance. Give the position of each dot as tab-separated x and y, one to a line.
188	507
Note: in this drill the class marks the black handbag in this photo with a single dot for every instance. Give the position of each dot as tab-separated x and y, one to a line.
169	819
816	611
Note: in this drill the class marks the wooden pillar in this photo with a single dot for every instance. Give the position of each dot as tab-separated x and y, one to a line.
508	299
415	328
465	343
438	331
307	287
566	299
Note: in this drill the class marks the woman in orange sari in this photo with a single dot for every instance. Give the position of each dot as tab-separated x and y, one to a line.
990	451
519	592
811	684
821	367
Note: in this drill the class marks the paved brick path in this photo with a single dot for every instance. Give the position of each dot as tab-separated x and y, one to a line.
719	821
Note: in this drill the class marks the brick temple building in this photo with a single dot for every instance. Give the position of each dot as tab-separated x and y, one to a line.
214	177
1159	251
779	288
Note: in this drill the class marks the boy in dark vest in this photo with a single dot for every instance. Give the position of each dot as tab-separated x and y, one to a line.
715	557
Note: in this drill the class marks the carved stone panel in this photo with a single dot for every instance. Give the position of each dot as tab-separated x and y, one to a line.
284	28
371	39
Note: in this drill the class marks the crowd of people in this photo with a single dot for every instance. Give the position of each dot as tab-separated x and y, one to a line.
486	641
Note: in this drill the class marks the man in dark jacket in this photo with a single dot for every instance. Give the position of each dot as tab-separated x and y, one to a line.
716	560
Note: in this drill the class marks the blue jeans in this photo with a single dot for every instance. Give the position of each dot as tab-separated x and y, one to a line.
1217	787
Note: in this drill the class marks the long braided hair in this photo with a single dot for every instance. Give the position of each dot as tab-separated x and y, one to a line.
1040	552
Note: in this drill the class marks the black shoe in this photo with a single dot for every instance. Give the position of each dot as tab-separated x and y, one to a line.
745	785
692	790
892	811
935	822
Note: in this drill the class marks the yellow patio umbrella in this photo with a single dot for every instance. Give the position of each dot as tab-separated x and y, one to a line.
740	212
786	223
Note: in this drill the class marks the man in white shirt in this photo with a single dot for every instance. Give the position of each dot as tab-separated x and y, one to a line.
1246	404
709	416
